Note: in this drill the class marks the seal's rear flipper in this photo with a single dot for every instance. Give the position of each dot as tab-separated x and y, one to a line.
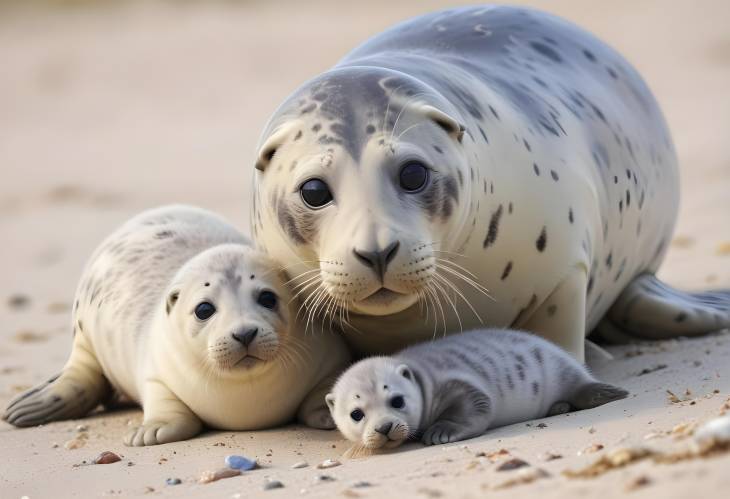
649	309
594	394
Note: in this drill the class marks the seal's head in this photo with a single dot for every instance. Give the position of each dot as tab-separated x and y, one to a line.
361	177
230	307
377	403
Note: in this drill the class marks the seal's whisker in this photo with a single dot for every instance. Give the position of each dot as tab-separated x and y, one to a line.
450	302
456	290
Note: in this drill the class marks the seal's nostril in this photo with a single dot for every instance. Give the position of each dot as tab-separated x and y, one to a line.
384	428
246	336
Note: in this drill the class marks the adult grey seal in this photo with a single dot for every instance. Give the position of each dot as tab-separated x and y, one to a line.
459	386
177	312
494	165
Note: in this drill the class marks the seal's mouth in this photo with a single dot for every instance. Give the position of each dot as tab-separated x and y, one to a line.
382	297
248	361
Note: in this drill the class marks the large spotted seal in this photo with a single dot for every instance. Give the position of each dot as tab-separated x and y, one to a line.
492	165
460	386
177	312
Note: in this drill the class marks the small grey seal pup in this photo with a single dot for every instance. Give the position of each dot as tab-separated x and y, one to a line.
177	312
459	386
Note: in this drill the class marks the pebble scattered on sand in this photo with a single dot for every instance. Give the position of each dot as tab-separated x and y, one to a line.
550	456
638	482
173	481
593	448
273	484
361	484
324	478
75	443
328	463
107	457
299	465
212	476
512	464
715	431
240	463
617	458
18	301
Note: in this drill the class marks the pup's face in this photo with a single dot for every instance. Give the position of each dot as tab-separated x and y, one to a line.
232	308
377	403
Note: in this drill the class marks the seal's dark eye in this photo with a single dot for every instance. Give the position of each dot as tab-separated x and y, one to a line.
413	176
204	310
357	415
315	193
267	299
397	402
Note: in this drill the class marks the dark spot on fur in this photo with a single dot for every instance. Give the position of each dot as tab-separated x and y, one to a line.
589	55
165	234
493	228
537	170
309	108
438	149
494	112
609	260
554	175
542	240
317	127
509	208
570	215
551	310
527	145
370	129
628	198
298	135
535	388
546	51
484	135
506	271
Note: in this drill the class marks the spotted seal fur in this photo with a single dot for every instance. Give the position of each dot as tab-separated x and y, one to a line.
460	386
177	311
482	165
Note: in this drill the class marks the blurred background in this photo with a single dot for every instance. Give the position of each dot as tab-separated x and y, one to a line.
111	107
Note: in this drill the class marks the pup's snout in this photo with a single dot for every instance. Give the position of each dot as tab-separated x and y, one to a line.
246	336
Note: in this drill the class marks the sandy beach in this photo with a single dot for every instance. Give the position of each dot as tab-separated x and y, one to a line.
106	110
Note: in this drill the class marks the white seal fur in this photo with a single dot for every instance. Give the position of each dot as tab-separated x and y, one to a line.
178	313
459	386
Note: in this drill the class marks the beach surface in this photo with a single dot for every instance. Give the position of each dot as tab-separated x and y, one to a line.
106	110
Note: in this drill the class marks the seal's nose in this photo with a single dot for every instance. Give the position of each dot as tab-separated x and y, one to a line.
378	260
384	428
246	336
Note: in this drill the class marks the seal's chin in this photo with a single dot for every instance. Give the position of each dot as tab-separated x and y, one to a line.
378	441
248	362
383	302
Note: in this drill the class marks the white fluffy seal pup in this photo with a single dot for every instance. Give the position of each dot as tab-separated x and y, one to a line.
459	386
177	312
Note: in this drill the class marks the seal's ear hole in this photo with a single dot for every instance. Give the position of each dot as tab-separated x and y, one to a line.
449	124
172	300
272	144
330	399
404	371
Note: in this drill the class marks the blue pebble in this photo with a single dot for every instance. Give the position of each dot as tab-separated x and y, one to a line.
173	481
240	463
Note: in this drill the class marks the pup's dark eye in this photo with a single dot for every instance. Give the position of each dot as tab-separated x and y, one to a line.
397	402
413	176
204	310
267	299
315	193
357	415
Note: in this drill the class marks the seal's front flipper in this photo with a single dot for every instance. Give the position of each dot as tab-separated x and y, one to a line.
166	418
594	394
71	394
647	308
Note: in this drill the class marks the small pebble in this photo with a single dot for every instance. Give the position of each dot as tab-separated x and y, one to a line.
328	463
714	431
512	464
212	476
82	427
240	463
273	484
107	457
18	301
550	456
324	478
173	481
299	465
361	484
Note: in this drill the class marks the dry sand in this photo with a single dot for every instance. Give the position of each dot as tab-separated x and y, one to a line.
107	110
